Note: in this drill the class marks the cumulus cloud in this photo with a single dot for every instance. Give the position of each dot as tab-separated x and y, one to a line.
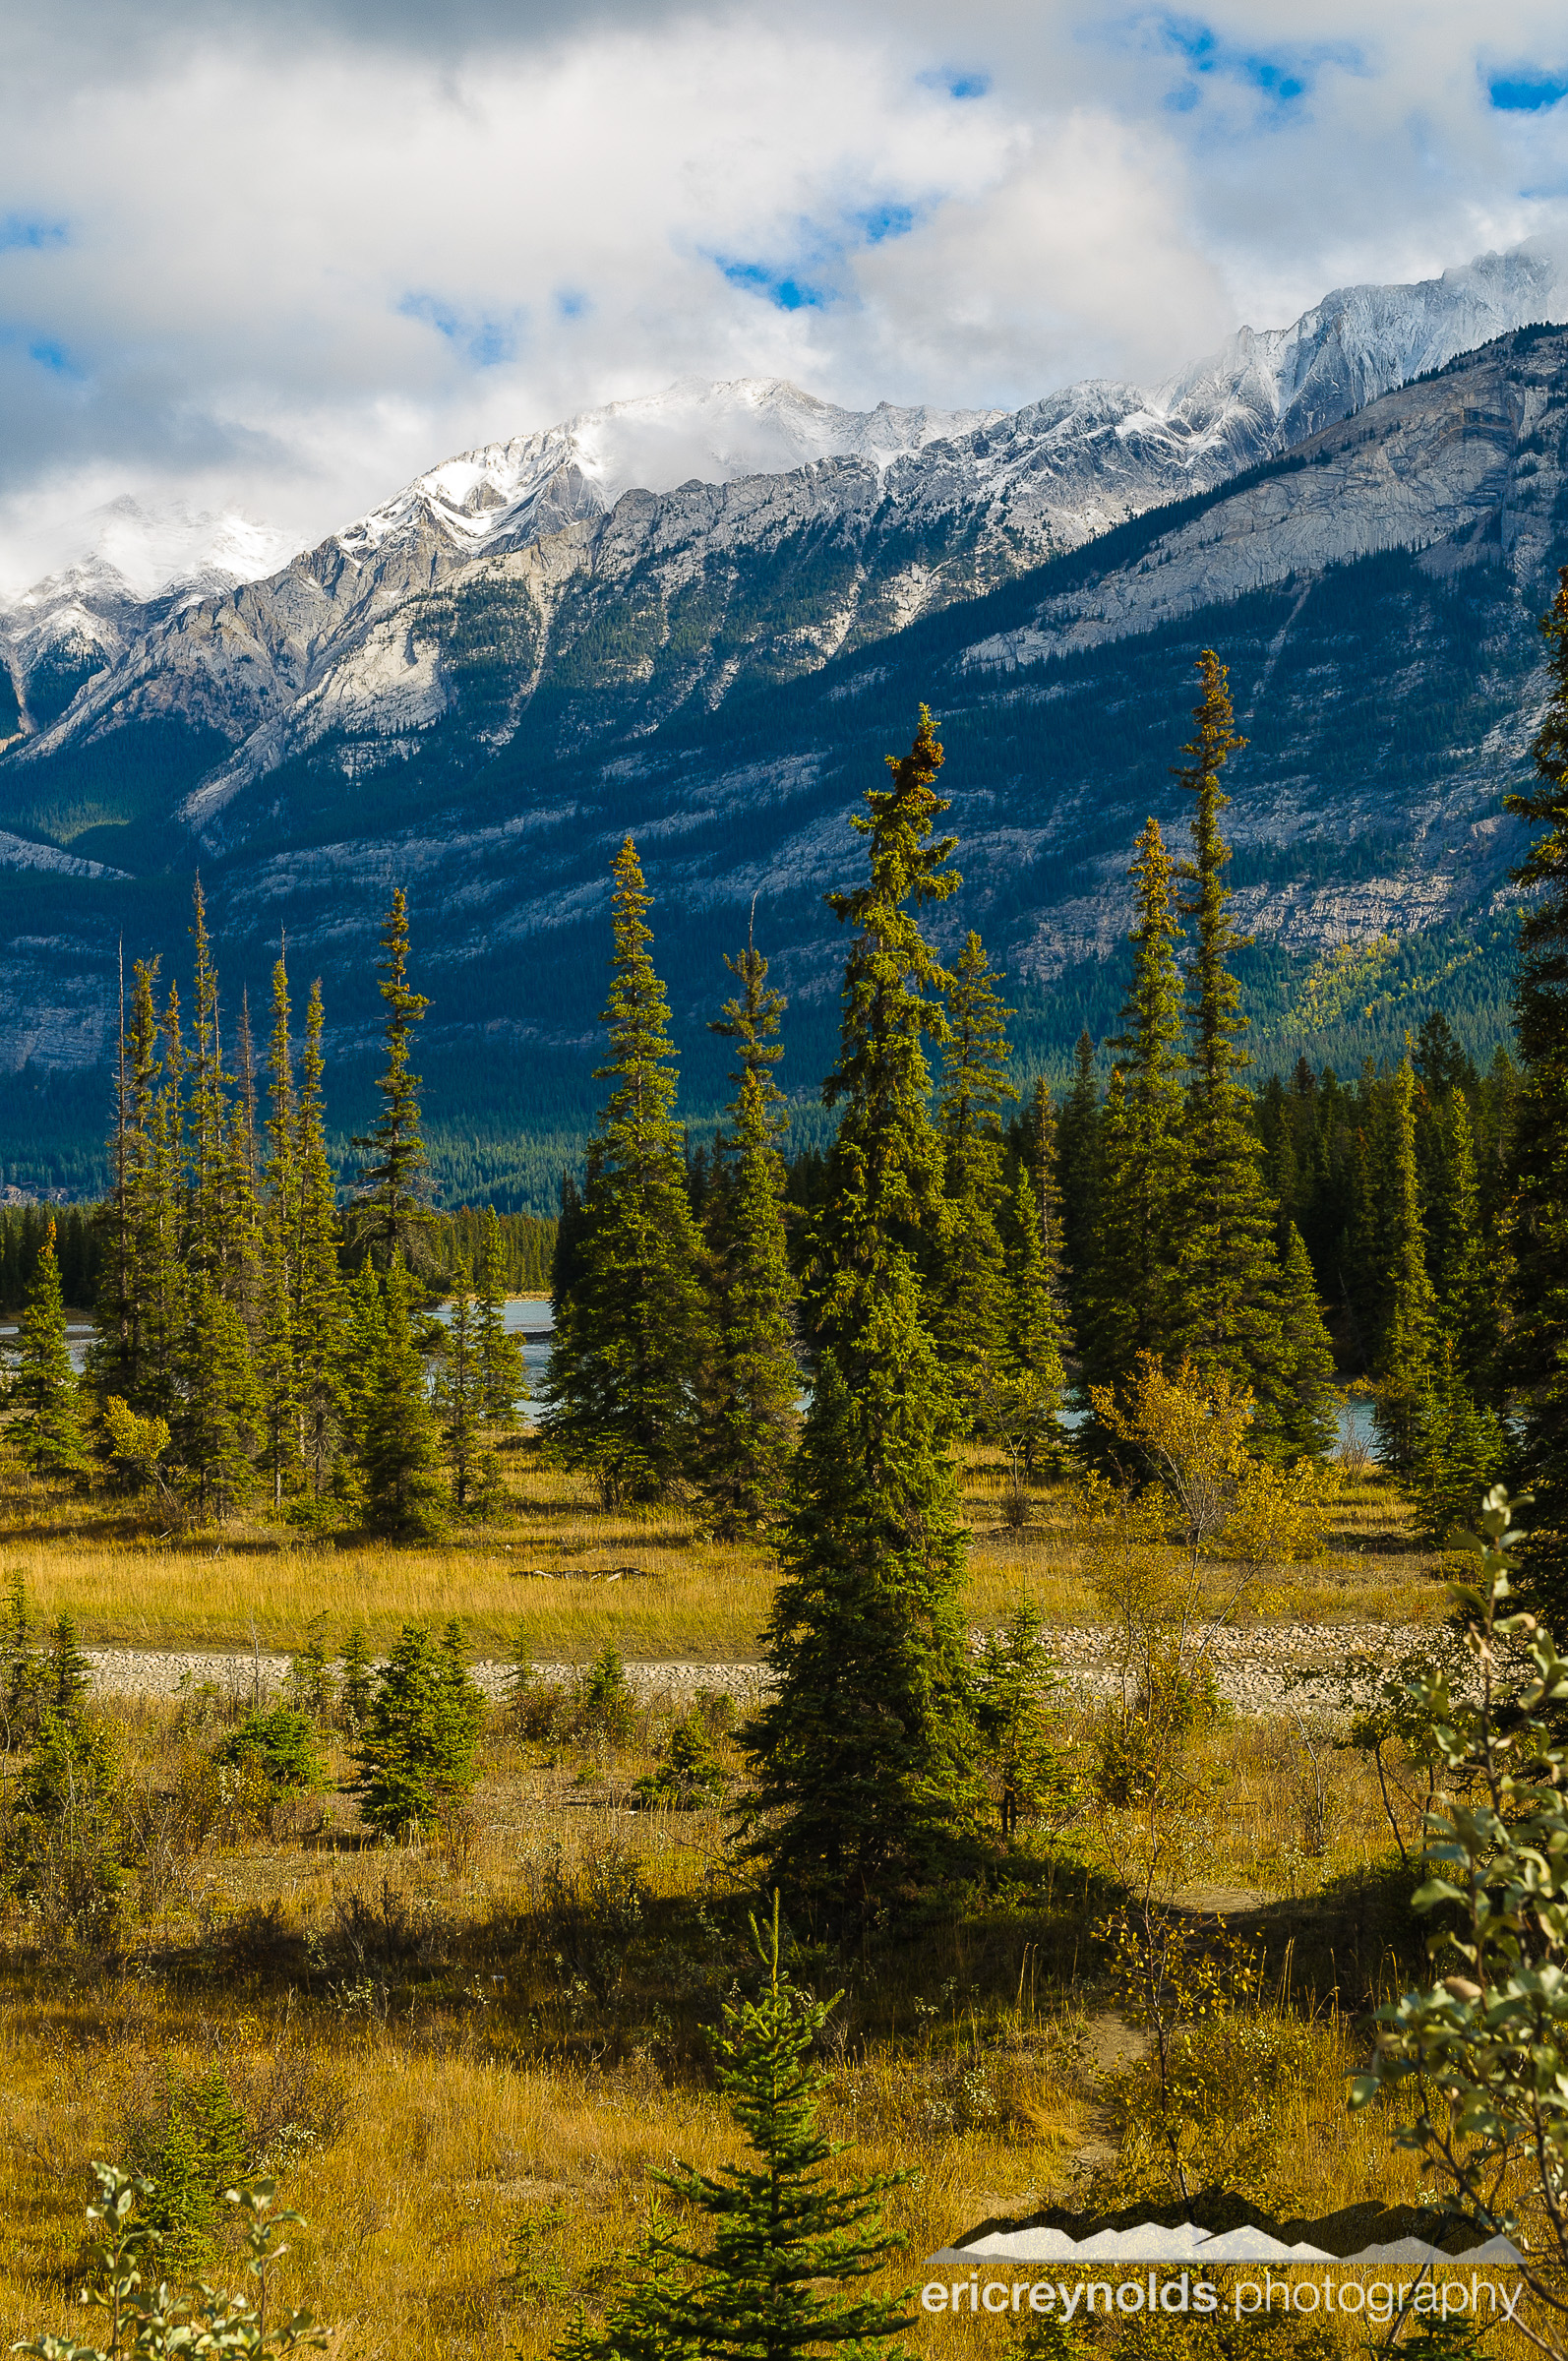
283	260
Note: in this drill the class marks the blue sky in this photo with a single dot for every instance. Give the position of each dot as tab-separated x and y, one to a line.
281	256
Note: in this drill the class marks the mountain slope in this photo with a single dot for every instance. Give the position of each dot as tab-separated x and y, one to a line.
1374	590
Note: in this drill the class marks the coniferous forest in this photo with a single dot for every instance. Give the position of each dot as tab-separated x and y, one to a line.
1002	1639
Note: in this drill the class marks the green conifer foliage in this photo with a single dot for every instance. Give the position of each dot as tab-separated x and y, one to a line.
318	1311
501	1378
1033	1231
1228	1273
631	1337
215	1428
784	2237
459	1392
389	1215
866	1789
400	1451
1465	1275
752	1421
1080	1155
967	1295
280	1243
48	1429
1456	1447
1540	1158
414	1756
1405	1360
1307	1396
1013	1684
1133	1299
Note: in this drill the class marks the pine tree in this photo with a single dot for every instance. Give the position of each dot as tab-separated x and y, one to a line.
389	1215
865	1791
318	1311
460	1395
220	1401
1405	1356
1080	1156
1456	1447
398	1447
752	1422
967	1298
501	1378
1307	1396
1039	1329
631	1336
414	1756
1540	1158
1463	1273
48	1431
279	1242
784	2238
1228	1317
1132	1295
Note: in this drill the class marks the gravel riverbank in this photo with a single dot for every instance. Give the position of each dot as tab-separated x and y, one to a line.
1256	1671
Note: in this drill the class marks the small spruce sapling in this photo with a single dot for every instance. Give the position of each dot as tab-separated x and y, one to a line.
414	1758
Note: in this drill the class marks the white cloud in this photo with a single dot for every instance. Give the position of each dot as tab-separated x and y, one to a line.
283	266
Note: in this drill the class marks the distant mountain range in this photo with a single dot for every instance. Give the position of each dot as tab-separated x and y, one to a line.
704	616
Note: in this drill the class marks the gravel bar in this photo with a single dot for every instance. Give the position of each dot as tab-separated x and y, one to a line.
1257	1671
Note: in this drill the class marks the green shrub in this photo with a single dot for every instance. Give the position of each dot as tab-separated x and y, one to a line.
603	1704
688	1776
278	1748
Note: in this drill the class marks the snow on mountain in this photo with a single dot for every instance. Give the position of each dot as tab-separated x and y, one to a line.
712	433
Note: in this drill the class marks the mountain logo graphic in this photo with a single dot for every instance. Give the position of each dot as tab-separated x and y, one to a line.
1219	2227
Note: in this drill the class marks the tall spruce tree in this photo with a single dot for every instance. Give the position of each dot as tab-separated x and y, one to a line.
501	1384
866	1794
967	1293
1133	1295
1228	1272
318	1311
631	1338
1080	1151
48	1430
1032	1233
390	1214
1307	1395
752	1422
1465	1275
399	1452
1539	1158
460	1387
1409	1339
279	1241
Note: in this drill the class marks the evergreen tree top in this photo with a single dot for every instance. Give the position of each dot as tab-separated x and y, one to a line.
975	1054
393	1181
1217	1018
636	1012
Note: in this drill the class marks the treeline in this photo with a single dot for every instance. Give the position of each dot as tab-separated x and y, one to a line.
252	1338
526	1246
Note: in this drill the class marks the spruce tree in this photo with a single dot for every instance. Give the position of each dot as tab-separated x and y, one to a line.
48	1430
752	1422
967	1295
1463	1273
1080	1154
460	1394
1540	1158
502	1383
318	1311
414	1754
389	1212
631	1338
1228	1273
866	1794
784	2239
1307	1397
220	1401
279	1242
399	1448
1039	1327
1132	1295
1406	1355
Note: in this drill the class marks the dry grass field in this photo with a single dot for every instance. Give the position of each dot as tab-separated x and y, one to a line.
463	2057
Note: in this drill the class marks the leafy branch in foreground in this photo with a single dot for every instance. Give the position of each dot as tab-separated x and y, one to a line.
151	2320
1483	2052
